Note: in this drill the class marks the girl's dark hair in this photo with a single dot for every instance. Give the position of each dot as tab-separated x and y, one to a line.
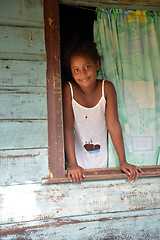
81	47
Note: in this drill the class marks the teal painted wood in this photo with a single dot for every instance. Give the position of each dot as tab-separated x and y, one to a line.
23	103
35	202
17	134
22	43
21	13
23	166
26	205
23	110
142	225
22	73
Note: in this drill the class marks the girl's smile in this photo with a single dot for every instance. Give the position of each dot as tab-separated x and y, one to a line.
90	111
84	69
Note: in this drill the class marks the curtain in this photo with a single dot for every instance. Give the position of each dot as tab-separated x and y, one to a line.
129	44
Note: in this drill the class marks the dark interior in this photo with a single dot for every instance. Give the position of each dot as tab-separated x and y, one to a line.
75	22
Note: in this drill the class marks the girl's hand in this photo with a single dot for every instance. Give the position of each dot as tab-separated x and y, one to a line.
131	170
76	174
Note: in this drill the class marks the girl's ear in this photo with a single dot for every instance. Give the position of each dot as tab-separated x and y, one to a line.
98	65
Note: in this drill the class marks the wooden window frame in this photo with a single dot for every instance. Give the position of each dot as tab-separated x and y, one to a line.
54	97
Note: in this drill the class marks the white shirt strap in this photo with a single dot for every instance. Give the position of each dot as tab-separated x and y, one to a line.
71	89
103	95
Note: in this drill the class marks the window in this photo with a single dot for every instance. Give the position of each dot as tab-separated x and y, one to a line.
54	99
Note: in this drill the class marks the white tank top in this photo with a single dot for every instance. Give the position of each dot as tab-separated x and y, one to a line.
90	133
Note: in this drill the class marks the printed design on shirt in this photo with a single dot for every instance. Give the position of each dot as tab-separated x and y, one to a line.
92	148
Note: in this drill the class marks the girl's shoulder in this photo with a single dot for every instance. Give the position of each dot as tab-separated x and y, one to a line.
109	88
68	86
108	83
69	89
67	95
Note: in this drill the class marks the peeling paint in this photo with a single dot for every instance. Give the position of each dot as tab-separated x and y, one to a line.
7	67
51	21
19	156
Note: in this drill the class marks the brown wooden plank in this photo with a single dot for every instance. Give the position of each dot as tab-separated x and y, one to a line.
122	4
149	2
110	173
54	93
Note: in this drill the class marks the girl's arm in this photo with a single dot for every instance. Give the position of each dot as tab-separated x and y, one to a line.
75	172
115	131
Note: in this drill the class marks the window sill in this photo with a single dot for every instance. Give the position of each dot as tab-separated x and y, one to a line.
107	173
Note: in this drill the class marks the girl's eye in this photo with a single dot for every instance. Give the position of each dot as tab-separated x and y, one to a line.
87	67
76	70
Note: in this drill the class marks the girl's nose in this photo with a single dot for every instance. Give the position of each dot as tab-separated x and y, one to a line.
83	72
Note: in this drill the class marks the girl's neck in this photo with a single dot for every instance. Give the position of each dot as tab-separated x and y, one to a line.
88	91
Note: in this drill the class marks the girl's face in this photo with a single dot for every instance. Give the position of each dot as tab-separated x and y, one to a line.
84	69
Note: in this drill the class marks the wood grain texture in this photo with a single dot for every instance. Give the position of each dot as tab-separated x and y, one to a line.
23	103
109	209
118	226
107	173
35	201
23	100
151	5
21	13
23	166
54	91
19	134
22	73
22	43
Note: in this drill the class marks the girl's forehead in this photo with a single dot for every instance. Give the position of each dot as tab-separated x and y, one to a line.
81	58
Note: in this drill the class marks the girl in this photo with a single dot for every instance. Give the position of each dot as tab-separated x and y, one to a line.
90	110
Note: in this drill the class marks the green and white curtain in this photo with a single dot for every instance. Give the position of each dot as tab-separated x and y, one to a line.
129	43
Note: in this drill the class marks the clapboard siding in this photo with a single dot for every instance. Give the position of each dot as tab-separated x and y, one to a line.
107	209
23	98
115	226
36	201
22	73
21	13
22	43
23	166
17	134
23	103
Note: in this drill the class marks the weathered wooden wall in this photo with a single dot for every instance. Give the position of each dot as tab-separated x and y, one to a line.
109	209
106	209
23	101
